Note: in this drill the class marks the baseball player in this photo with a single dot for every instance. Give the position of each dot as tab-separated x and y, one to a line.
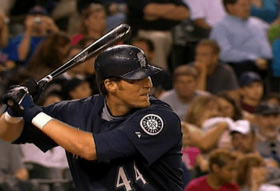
122	139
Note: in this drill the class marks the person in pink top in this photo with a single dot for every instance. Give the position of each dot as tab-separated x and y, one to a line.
222	165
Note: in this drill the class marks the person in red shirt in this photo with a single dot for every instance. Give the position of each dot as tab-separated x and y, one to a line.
222	165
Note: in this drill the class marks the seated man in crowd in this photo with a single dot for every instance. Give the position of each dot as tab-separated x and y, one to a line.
245	46
184	90
268	136
244	140
205	14
215	76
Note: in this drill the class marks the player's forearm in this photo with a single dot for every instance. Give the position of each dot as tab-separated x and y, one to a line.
9	131
4	36
157	10
73	140
24	46
201	82
202	23
211	137
177	13
166	11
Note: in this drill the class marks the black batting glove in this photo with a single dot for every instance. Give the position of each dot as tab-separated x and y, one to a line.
12	98
20	103
34	88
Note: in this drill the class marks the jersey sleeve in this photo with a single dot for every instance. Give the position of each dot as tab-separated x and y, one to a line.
112	145
154	133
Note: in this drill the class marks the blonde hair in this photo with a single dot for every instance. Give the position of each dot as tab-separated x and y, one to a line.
197	107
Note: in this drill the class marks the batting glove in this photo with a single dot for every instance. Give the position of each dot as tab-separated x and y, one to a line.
34	88
12	98
20	103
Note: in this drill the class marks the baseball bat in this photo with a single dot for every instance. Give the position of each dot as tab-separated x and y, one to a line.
117	34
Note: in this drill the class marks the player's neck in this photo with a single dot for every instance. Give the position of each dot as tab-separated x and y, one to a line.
116	108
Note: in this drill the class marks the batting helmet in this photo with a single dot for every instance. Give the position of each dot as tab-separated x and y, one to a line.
124	61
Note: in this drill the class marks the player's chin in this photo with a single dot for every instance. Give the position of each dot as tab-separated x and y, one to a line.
143	103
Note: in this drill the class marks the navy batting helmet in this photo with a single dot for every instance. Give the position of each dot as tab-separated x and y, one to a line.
124	61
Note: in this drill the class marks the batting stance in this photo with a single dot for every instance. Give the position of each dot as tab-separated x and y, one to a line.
122	139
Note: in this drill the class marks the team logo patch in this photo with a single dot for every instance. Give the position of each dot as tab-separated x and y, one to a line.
152	124
141	59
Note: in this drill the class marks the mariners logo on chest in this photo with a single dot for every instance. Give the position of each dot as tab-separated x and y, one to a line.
152	124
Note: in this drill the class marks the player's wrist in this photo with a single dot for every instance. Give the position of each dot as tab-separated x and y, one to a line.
40	120
12	119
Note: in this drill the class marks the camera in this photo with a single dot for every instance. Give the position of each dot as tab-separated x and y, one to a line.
37	20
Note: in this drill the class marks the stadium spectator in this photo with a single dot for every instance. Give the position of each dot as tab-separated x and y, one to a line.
49	55
205	14
244	140
267	121
184	90
6	64
267	10
222	165
251	91
215	76
274	30
275	66
229	107
272	97
93	21
204	129
245	46
252	174
37	27
116	10
154	20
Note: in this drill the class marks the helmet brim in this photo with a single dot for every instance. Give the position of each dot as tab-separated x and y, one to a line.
141	73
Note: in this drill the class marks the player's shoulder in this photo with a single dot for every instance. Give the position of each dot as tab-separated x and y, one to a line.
158	110
159	106
156	119
95	101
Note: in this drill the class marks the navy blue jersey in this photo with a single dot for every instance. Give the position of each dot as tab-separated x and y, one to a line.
139	151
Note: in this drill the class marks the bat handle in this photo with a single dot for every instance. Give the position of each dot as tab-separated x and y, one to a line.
44	81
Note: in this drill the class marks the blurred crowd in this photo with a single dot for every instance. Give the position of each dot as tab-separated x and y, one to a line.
221	76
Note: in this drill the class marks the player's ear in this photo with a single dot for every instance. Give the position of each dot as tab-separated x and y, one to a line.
110	85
